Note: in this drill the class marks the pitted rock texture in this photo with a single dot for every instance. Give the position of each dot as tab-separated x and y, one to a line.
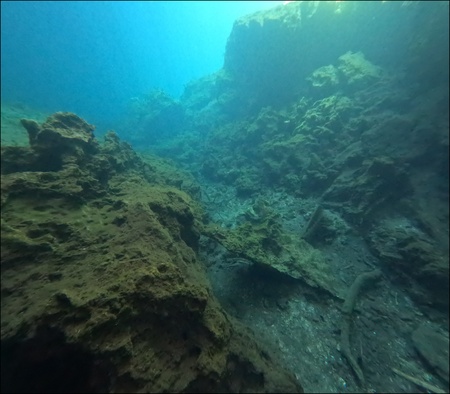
102	290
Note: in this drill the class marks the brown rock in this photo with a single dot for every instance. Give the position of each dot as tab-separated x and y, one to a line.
60	129
131	309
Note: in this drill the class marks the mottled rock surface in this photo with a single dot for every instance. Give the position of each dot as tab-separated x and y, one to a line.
102	289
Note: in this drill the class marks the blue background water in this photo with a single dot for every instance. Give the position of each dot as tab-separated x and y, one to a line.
92	57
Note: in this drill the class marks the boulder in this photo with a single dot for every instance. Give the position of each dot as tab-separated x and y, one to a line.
102	290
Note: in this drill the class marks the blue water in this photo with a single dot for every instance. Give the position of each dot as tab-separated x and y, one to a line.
92	57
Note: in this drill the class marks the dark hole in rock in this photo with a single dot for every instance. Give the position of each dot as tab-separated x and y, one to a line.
36	233
195	351
46	363
119	220
185	335
52	276
162	268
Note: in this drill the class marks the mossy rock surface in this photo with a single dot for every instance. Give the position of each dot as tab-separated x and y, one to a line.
99	265
263	242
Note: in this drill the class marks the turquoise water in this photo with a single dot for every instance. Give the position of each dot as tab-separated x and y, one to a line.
92	57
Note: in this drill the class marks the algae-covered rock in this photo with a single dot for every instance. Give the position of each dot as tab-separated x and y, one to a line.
153	117
260	51
101	285
326	76
419	260
362	193
352	73
62	129
263	242
269	53
211	100
62	139
355	69
247	183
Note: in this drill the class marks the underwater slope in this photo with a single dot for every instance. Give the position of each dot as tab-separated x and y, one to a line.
323	158
102	290
368	141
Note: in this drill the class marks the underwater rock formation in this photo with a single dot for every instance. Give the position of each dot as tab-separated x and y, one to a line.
262	242
102	290
153	117
335	126
419	259
366	149
270	53
352	72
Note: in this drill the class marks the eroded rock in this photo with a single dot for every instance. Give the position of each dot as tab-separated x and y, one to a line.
100	277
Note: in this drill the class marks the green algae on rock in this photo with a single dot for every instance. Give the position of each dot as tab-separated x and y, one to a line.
263	242
99	264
